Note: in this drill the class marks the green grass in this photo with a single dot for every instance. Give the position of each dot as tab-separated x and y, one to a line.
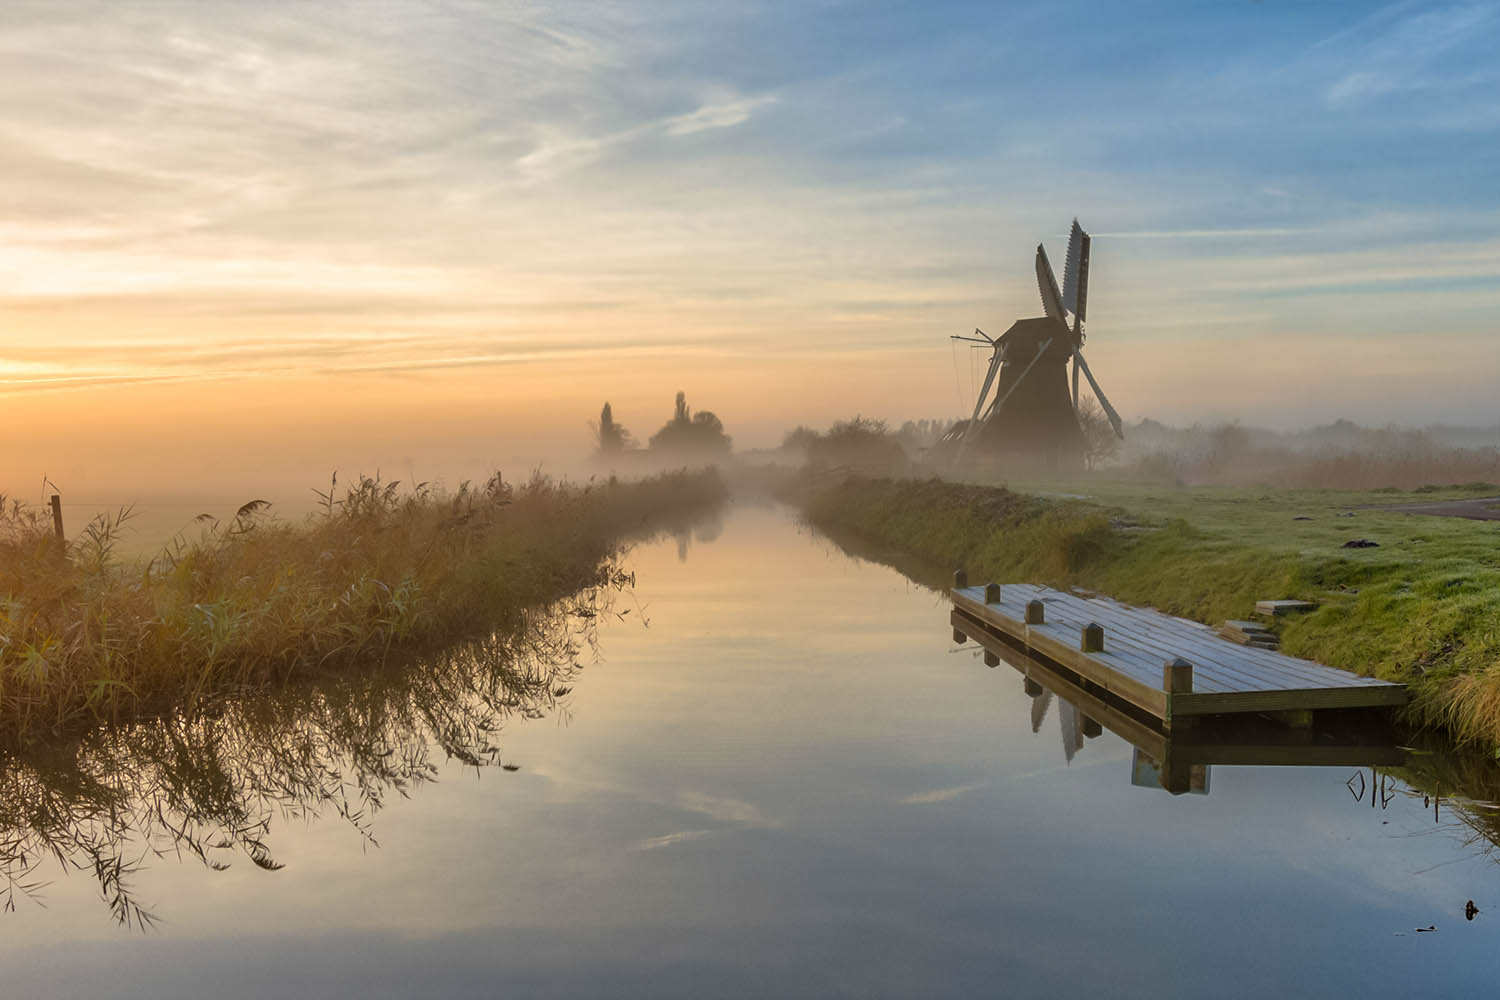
1422	608
253	601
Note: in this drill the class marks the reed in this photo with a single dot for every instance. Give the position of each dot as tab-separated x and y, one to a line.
254	600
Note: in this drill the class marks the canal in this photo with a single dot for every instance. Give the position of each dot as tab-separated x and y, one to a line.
762	768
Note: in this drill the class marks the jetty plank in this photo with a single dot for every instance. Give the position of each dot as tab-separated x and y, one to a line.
1227	677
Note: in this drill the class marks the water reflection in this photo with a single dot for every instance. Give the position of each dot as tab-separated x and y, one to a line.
209	788
785	786
1392	762
702	528
1462	788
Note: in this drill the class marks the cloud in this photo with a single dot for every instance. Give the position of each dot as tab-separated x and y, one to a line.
725	114
1394	50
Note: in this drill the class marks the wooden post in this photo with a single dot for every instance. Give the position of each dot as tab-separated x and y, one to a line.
1176	774
991	659
1092	639
1036	614
1033	689
959	637
1177	676
992	593
960	579
57	525
1091	727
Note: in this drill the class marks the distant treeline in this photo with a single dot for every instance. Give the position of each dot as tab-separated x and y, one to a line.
686	437
1340	455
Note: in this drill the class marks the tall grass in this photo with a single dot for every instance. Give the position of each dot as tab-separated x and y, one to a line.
253	600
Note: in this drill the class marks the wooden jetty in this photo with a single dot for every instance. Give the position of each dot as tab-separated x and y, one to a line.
1182	756
1161	668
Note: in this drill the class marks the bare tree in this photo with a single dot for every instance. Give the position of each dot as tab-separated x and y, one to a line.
1100	444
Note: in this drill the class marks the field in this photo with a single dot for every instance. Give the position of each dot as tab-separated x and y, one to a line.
1421	606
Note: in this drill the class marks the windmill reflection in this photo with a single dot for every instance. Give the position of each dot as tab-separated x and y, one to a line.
210	786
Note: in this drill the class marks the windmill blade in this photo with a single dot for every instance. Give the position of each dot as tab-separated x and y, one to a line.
1046	283
1075	290
1109	411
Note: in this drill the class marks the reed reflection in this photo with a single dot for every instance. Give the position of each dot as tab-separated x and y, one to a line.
210	787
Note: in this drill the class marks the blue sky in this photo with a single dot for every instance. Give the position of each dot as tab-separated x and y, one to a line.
783	208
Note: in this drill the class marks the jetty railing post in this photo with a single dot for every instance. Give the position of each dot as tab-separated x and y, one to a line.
57	525
1176	678
992	593
1036	613
1092	638
960	579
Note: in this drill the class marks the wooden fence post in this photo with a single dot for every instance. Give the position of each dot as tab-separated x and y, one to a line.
57	525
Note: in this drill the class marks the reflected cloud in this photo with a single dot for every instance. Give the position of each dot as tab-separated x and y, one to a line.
667	840
729	811
941	794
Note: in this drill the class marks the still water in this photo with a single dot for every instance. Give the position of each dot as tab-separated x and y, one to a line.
763	770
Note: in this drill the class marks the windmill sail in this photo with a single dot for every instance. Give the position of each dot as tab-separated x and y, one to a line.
1109	411
1075	290
1046	283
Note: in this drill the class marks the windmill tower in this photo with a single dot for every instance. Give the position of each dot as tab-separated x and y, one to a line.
1033	416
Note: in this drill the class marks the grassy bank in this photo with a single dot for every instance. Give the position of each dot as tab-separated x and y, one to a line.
253	600
1422	607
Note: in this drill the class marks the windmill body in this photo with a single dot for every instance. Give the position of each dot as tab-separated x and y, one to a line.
1031	418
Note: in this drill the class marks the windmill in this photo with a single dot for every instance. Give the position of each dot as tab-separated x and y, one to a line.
1032	412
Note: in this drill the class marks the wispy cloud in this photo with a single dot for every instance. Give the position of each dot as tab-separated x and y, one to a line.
724	114
1404	48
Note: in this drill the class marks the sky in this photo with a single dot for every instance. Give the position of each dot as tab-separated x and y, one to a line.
247	244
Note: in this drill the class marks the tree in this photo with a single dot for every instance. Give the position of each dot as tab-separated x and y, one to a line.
693	435
1100	444
612	438
863	443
